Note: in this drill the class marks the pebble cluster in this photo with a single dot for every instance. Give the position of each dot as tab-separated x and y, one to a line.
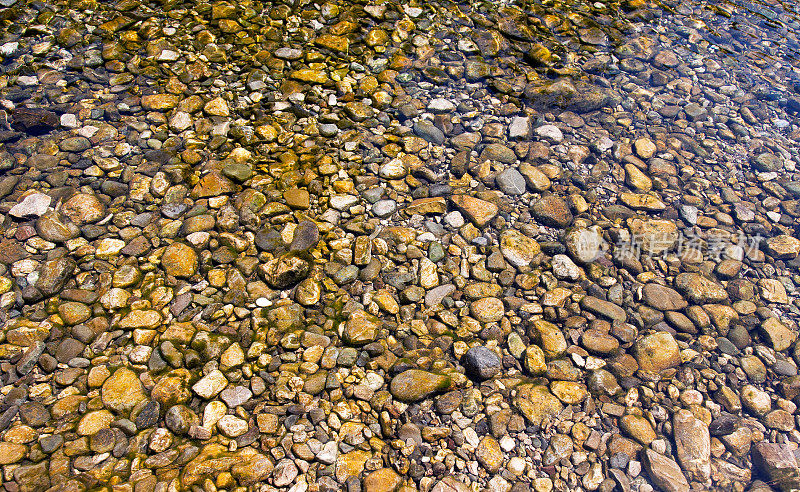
424	246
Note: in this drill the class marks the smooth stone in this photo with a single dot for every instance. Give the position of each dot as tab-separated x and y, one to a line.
549	338
657	351
700	289
489	454
122	391
210	385
604	308
517	248
664	472
692	445
552	211
33	205
481	363
180	260
511	181
662	298
488	309
536	403
414	385
480	212
306	236
426	130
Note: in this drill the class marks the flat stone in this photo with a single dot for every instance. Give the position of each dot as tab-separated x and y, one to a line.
511	181
644	147
361	328
498	152
772	290
550	338
33	205
414	385
585	245
55	227
551	133
73	313
642	201
778	335
480	212
783	247
217	107
700	289
755	401
84	208
569	392
287	270
383	480
692	445
213	184
664	472
426	130
662	298
534	177
33	120
11	453
779	463
306	236
565	268
427	206
520	128
75	144
517	248
536	403
653	236
487	310
637	179
231	426
179	260
638	428
604	308
235	396
159	102
94	421
210	385
489	454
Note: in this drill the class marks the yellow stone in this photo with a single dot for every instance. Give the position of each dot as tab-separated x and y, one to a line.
636	179
644	147
159	102
94	421
569	392
351	464
310	76
333	43
217	107
122	391
11	452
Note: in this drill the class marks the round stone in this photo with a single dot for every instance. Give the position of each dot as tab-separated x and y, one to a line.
481	363
179	260
122	391
488	309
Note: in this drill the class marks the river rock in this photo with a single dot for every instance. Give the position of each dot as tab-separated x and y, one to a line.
414	385
481	363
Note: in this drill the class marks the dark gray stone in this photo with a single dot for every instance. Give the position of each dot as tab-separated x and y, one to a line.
481	363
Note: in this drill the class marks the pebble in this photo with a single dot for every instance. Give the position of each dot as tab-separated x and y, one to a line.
251	246
480	362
